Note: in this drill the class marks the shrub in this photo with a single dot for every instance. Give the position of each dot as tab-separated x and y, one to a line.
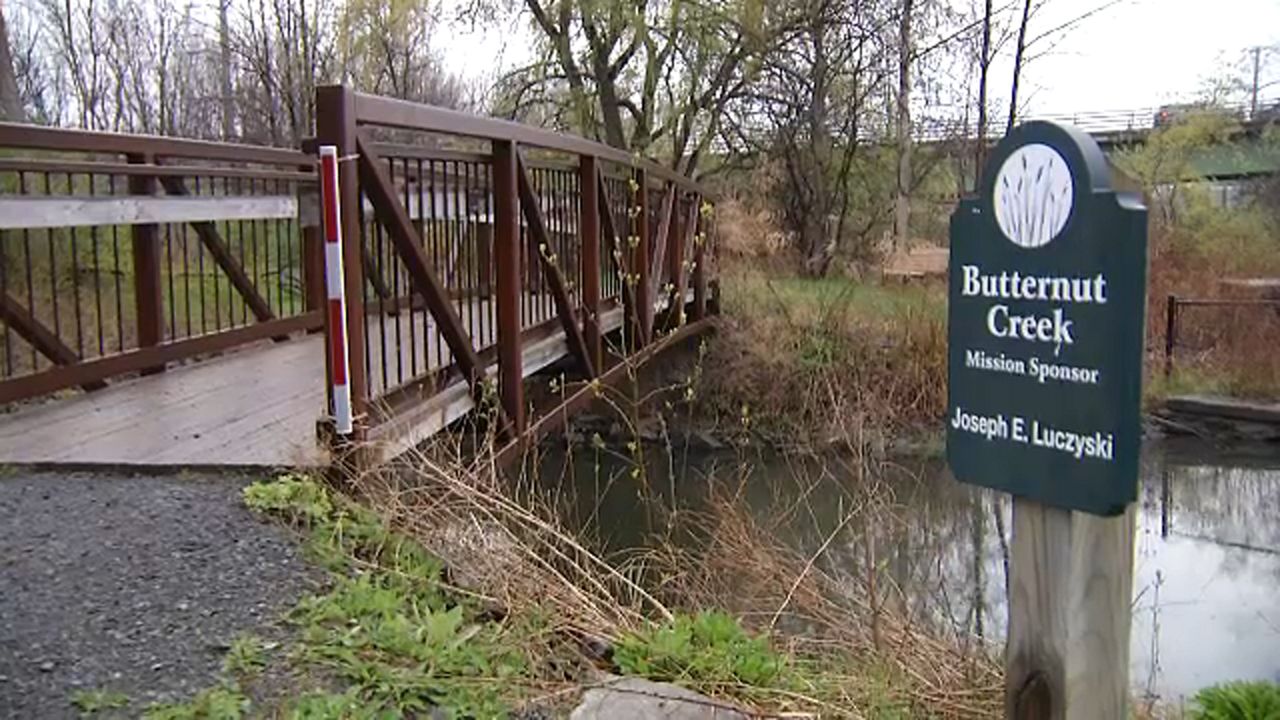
1237	701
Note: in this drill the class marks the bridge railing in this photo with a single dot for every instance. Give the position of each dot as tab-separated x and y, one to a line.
122	253
477	250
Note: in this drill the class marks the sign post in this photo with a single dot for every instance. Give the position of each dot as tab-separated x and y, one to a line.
1045	332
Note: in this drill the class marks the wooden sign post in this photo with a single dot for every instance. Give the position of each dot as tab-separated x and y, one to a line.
1045	331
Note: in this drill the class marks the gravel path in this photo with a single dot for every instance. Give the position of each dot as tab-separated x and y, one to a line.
135	584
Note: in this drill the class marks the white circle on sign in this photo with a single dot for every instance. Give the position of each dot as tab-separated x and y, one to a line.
1033	195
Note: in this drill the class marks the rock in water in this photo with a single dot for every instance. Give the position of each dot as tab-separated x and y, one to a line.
638	699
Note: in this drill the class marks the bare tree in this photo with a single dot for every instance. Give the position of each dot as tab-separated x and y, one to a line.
902	214
10	100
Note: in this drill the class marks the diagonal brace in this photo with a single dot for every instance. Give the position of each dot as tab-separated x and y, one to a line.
559	290
40	337
664	229
210	238
609	234
408	244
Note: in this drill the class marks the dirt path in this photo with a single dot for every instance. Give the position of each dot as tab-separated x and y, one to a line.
133	584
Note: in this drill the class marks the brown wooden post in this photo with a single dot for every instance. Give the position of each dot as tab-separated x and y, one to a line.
699	266
147	287
1170	333
643	320
589	235
484	259
336	125
507	270
313	287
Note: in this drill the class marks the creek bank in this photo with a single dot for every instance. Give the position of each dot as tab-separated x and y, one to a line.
589	430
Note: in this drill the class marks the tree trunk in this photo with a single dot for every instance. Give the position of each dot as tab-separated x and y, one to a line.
902	214
984	65
818	240
11	109
1017	66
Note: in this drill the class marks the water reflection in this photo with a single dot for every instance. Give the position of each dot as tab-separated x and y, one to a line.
1208	547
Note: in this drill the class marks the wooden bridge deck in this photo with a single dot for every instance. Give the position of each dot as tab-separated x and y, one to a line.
222	411
253	407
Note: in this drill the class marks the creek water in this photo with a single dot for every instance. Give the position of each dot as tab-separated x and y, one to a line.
1206	605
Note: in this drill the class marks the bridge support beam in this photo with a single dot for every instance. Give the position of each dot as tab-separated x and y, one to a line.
506	253
589	236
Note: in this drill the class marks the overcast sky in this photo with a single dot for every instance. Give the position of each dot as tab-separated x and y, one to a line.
1137	54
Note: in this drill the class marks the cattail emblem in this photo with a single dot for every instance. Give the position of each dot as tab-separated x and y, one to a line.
1033	195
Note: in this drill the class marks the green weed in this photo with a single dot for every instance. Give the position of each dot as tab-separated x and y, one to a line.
89	702
386	626
331	706
296	498
710	647
1237	701
217	703
246	656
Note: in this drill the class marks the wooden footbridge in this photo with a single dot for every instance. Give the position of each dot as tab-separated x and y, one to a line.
164	300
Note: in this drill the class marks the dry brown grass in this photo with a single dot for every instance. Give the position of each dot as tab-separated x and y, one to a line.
506	543
1223	350
802	361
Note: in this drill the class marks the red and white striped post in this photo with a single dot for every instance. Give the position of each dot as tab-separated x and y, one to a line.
337	301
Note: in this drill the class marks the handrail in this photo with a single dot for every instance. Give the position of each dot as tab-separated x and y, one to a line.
391	112
37	137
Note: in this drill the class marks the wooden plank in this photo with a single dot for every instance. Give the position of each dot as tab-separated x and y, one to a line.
209	237
53	379
1235	409
31	212
409	248
184	417
1070	586
589	258
551	270
89	167
508	272
40	337
20	135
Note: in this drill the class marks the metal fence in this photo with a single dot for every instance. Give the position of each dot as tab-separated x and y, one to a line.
1238	331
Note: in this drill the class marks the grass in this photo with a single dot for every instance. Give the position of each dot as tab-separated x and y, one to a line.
826	361
246	656
89	702
398	632
1258	700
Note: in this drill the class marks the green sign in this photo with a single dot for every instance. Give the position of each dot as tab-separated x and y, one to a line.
1047	292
